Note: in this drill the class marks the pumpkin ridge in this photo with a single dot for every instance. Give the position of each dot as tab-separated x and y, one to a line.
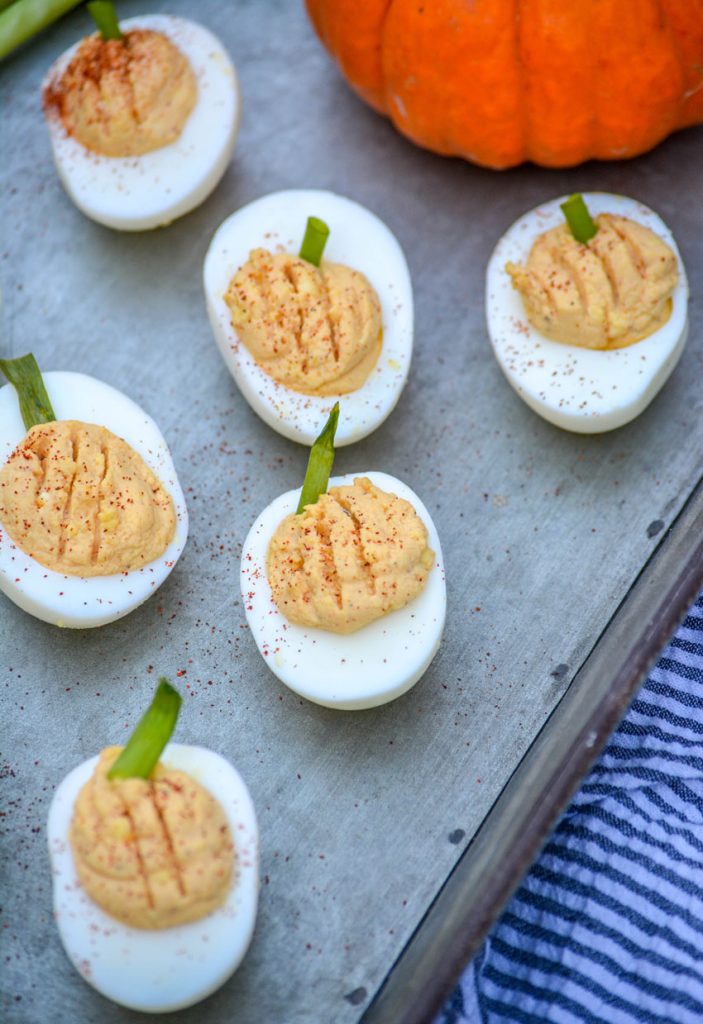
357	52
559	55
523	112
384	84
675	43
648	90
687	29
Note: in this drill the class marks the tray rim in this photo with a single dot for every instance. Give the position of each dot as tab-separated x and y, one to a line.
568	744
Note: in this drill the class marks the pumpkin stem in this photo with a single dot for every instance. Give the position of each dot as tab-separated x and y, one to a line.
314	241
320	462
580	222
103	14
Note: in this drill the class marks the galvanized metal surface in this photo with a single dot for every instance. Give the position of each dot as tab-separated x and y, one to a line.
362	815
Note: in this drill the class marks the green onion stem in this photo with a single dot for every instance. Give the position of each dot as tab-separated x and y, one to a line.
320	462
25	18
25	376
103	14
582	225
314	240
152	733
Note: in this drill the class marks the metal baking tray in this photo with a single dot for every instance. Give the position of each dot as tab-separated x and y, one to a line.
526	811
380	829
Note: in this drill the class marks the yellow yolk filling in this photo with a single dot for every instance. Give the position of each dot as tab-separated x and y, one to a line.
355	555
125	97
315	330
611	292
154	852
81	501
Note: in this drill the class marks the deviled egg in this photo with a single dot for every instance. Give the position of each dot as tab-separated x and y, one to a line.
343	587
92	516
143	126
295	333
587	332
155	867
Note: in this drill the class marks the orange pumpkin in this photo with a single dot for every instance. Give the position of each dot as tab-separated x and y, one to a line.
502	81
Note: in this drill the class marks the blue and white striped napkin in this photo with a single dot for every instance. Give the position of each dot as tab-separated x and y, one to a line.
608	924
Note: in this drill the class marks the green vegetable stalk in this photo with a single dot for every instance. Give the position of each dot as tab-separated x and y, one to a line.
25	376
103	14
314	240
320	462
580	222
23	19
152	733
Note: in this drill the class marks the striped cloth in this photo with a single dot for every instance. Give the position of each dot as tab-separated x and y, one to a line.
608	925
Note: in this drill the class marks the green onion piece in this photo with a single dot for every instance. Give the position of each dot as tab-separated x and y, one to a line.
314	241
25	18
320	462
578	218
25	376
103	14
152	733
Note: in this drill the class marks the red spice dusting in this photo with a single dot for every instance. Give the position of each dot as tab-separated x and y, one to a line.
94	59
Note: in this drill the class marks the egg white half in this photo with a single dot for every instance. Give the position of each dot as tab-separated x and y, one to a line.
376	664
169	969
77	601
586	391
358	239
140	192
